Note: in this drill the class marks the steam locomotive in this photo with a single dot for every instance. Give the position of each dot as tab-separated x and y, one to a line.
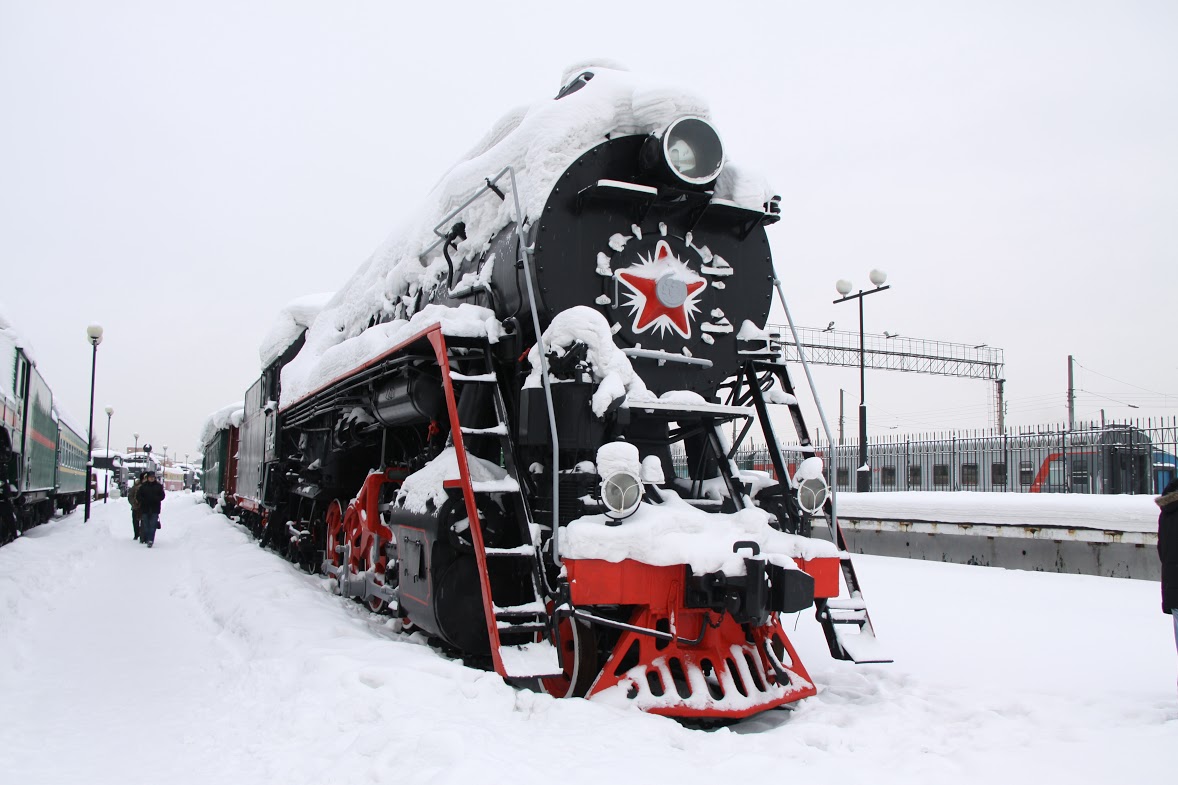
476	434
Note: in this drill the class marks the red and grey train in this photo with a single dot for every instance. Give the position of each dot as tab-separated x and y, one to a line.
1111	459
503	492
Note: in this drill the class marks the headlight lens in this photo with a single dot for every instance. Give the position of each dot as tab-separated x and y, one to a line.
693	150
812	494
621	493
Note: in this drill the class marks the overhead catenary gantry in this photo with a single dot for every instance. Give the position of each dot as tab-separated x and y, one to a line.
889	352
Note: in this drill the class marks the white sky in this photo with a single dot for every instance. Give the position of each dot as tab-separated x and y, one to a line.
178	172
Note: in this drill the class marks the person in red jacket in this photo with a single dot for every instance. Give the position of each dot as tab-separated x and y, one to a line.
151	496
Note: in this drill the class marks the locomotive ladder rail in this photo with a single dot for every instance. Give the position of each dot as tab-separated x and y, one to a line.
835	615
501	568
523	259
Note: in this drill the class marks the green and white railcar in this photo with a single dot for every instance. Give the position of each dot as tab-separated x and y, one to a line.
70	486
42	459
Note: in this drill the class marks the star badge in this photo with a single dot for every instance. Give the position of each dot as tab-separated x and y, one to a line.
663	292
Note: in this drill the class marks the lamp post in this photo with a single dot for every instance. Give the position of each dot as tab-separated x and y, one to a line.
106	481
135	449
94	335
863	473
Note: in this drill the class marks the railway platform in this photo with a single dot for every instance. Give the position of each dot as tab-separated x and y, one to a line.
1112	536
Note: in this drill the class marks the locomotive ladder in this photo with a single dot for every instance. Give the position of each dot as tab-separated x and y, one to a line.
838	616
528	651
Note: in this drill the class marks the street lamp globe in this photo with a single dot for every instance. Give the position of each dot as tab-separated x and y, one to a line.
110	410
94	333
843	286
878	277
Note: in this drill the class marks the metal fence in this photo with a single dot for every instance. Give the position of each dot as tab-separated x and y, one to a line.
1125	457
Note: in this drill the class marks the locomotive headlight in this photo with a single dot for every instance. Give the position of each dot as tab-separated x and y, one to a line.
812	494
620	467
811	485
693	150
687	152
621	493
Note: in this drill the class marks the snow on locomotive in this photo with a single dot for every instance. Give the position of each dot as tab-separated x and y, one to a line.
476	433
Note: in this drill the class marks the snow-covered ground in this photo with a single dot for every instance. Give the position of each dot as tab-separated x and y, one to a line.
209	660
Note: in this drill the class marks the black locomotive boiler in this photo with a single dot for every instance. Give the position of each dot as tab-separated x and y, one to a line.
477	436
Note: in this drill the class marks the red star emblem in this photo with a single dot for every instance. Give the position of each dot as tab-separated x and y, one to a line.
663	298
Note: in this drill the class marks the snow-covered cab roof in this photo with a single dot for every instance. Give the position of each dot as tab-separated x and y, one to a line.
228	415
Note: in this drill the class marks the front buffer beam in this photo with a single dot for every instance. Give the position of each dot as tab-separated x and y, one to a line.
682	661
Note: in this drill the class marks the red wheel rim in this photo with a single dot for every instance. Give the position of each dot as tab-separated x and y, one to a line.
353	534
578	658
335	525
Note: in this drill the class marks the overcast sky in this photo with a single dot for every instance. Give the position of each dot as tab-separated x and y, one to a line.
179	171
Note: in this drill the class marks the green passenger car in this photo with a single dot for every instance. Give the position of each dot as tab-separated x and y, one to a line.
40	442
71	467
29	443
42	458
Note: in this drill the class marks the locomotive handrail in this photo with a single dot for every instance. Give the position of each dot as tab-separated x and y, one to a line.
834	521
854	590
523	253
490	186
662	357
523	256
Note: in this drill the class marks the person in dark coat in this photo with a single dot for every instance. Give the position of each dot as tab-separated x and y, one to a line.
151	496
1168	550
133	497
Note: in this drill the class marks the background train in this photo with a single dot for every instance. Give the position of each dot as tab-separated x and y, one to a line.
42	456
1101	459
476	433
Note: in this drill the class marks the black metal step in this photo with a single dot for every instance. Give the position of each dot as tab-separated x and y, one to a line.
527	552
474	378
529	627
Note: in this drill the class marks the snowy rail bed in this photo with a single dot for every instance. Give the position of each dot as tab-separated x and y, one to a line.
208	659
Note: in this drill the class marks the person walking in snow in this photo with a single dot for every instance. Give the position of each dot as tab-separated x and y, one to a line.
133	497
151	496
1168	550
